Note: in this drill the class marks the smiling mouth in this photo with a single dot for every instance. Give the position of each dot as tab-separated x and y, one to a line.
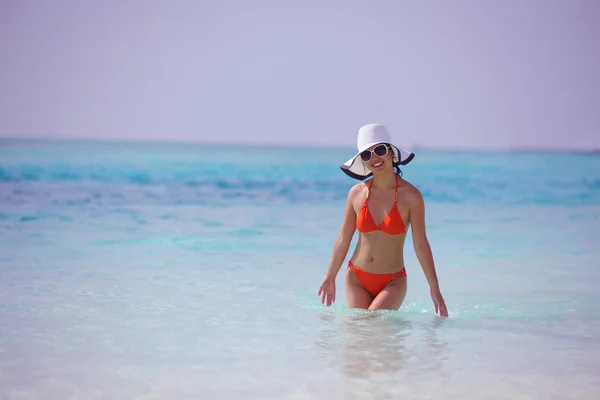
376	165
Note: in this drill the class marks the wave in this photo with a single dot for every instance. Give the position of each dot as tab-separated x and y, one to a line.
149	190
53	174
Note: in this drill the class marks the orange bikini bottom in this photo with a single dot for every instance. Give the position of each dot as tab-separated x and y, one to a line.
374	283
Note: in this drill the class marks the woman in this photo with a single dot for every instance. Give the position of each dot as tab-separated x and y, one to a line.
382	210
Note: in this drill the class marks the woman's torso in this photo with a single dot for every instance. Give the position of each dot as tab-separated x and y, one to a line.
378	251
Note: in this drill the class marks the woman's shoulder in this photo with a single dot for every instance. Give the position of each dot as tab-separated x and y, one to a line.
411	191
357	189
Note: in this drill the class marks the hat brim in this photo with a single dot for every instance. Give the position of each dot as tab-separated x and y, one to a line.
356	168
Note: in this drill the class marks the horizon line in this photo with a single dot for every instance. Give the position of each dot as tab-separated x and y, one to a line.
413	148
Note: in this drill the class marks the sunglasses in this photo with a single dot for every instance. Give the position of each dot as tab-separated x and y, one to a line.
379	151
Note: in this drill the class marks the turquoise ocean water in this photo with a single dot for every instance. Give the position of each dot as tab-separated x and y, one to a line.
151	271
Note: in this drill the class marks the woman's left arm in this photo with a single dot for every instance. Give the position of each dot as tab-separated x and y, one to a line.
423	249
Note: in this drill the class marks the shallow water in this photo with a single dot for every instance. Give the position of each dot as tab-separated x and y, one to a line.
155	272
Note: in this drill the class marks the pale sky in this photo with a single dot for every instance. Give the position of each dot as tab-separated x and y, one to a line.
477	73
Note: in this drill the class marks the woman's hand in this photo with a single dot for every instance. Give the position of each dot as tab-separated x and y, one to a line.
327	291
438	302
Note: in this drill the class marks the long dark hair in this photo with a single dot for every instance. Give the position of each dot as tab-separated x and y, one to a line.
396	162
397	169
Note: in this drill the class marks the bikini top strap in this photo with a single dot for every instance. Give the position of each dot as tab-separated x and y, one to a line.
368	190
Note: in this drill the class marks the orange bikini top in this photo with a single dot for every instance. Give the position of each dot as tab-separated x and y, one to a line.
392	224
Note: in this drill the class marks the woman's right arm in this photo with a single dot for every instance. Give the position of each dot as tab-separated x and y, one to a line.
344	238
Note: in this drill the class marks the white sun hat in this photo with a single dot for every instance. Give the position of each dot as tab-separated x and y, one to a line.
368	136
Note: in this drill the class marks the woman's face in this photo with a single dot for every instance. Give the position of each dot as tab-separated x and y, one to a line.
378	158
